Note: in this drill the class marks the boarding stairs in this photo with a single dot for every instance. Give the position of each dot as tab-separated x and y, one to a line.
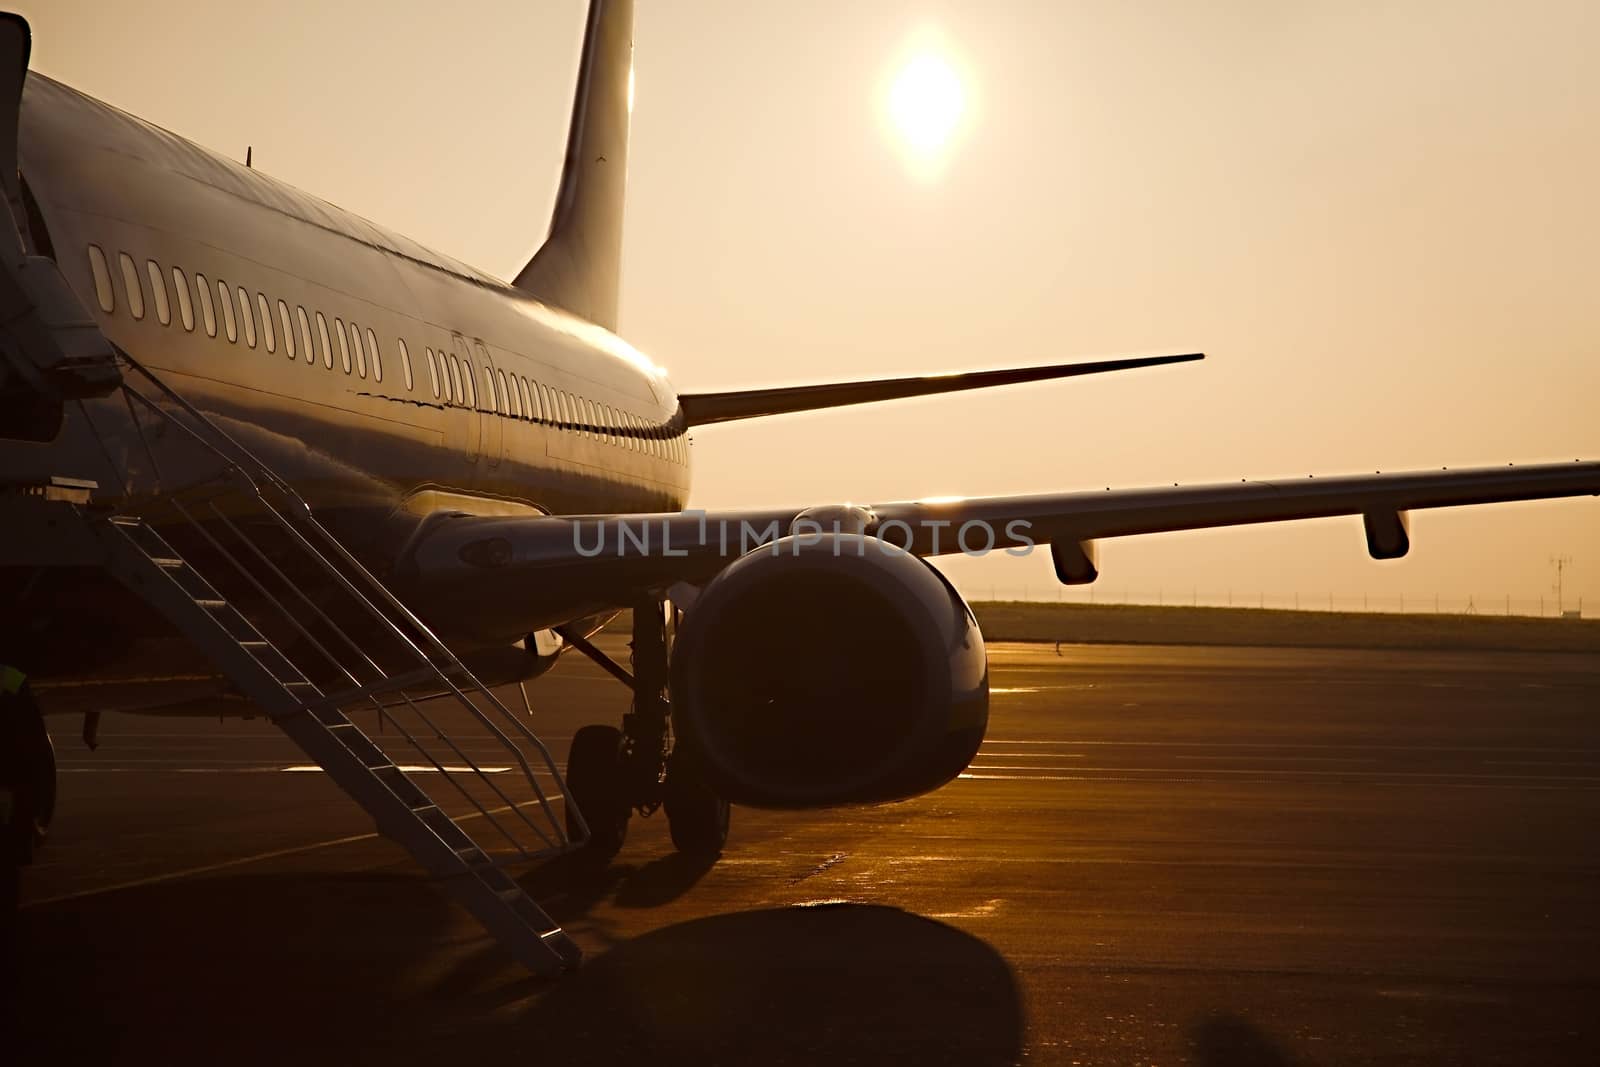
239	565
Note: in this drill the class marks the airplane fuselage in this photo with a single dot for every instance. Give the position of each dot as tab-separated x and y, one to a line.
376	376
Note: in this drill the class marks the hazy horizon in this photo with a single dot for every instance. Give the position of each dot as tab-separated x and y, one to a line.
1379	224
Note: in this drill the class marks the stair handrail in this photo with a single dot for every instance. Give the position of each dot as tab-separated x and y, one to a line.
373	584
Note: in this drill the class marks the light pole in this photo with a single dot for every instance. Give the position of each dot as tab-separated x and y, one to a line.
1560	563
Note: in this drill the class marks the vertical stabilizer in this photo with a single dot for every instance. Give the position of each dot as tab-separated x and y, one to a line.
579	266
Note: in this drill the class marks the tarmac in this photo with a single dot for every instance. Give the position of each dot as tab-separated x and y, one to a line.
1161	855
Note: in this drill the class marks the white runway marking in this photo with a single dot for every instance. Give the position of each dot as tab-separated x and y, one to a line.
1395	781
312	768
1353	746
270	768
1290	773
189	872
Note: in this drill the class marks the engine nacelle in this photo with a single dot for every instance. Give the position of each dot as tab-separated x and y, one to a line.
822	670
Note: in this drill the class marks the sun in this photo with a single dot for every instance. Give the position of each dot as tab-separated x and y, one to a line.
926	102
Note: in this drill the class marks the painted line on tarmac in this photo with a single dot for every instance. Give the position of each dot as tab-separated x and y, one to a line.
1289	774
1396	781
190	872
172	767
1352	746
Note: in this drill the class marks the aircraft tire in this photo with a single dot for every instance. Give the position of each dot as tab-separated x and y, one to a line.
696	816
594	783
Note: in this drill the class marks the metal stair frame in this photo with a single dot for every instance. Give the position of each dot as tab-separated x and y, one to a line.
52	531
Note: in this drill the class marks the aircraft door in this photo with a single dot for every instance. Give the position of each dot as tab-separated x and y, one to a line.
492	405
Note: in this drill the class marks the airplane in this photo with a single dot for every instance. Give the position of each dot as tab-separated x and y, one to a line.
493	472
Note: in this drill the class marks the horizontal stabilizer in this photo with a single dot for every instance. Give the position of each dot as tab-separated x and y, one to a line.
700	409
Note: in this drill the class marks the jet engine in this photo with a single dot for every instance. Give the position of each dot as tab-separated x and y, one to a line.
828	669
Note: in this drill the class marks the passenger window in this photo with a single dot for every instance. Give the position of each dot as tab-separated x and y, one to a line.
405	361
208	314
361	355
130	285
456	395
433	371
322	341
247	318
344	346
546	410
266	322
288	329
590	416
230	325
511	393
527	398
102	279
158	292
488	389
305	335
180	288
468	384
377	360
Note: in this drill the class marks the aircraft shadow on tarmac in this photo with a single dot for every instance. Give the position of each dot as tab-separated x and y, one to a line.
371	968
1224	1040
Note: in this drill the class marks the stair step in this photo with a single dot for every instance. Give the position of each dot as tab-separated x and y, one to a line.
210	604
168	564
360	745
473	856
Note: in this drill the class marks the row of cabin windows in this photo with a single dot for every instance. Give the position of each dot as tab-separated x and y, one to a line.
519	397
235	315
449	376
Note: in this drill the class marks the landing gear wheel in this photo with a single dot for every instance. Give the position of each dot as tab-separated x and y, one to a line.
696	815
595	788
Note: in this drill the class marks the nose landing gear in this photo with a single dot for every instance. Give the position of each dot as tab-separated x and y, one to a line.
612	773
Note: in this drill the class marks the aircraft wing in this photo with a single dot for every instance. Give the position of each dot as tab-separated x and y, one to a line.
702	409
594	561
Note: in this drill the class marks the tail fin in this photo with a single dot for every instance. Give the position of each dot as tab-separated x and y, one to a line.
579	266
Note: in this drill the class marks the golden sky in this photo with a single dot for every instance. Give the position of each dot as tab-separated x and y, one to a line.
1379	220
